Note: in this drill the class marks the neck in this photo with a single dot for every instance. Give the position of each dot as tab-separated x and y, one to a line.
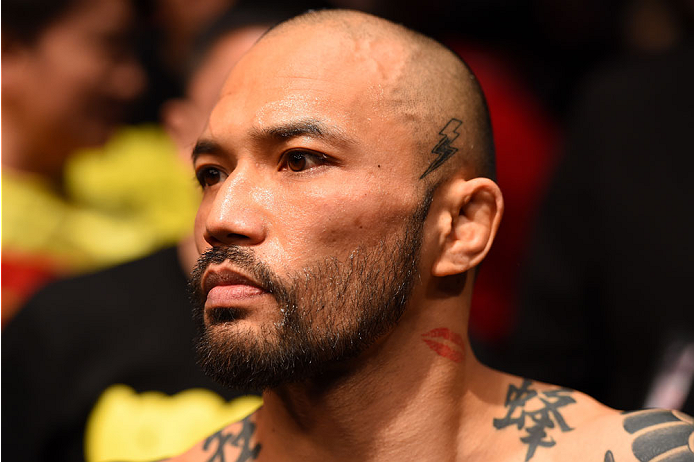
410	394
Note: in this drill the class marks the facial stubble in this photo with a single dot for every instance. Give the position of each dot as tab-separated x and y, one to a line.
329	312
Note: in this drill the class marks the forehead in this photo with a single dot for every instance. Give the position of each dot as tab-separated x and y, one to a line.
300	74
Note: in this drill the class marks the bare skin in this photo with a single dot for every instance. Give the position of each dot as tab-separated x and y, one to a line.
417	393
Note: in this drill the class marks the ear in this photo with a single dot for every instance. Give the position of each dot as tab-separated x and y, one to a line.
468	222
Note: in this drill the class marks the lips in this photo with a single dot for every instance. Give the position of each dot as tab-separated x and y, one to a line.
445	343
224	286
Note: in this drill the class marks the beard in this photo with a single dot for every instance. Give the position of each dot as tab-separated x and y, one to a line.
330	311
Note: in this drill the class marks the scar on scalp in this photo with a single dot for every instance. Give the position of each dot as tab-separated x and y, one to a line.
443	148
434	340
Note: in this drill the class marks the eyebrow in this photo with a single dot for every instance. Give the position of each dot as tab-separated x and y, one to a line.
205	146
280	133
307	127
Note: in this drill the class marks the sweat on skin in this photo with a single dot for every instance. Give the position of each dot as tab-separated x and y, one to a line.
329	153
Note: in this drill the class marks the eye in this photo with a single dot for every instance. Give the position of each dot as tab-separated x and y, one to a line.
298	161
209	176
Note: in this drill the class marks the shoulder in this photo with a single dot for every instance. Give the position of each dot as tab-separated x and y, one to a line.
64	313
235	442
551	423
160	268
650	435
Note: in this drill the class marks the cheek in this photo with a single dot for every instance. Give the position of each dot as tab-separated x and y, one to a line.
338	224
361	222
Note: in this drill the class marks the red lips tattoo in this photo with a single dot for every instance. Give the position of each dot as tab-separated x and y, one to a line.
455	353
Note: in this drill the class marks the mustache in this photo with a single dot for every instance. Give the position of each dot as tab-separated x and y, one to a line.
242	258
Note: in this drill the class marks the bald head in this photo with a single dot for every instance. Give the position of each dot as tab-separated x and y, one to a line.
325	157
423	84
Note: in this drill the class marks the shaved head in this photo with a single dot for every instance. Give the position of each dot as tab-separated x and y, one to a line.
423	83
341	166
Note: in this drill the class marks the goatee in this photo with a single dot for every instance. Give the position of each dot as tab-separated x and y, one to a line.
329	312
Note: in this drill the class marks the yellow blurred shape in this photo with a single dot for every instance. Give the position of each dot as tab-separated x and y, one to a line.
125	425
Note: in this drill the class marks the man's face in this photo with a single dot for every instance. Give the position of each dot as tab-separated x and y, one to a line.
310	185
80	73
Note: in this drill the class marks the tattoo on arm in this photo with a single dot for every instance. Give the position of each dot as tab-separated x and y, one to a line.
662	436
535	412
242	440
443	148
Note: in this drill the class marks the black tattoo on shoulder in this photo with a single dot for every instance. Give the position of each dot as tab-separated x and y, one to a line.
535	418
609	457
443	148
662	436
242	440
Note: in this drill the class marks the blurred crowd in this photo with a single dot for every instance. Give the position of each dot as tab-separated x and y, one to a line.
587	285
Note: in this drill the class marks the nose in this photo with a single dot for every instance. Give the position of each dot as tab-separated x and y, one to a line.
236	213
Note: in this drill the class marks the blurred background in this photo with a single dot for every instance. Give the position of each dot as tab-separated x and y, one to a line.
587	285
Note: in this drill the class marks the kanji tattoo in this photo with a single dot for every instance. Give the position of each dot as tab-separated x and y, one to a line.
241	440
535	419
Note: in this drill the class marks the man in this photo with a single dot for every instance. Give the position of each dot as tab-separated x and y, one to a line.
347	201
69	75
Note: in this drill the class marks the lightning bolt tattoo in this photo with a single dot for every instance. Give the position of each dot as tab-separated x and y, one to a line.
443	148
